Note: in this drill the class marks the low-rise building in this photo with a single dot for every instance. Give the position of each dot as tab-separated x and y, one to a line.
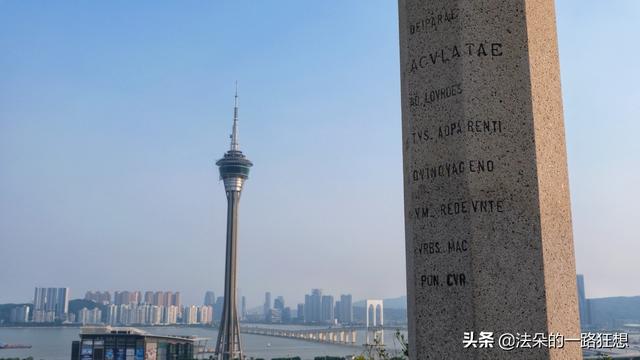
107	343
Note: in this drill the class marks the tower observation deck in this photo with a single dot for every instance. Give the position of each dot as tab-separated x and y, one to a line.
234	170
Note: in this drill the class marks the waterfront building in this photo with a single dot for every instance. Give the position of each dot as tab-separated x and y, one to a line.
19	314
107	343
190	315
170	315
141	314
155	314
89	317
112	314
62	304
39	299
205	315
122	314
52	298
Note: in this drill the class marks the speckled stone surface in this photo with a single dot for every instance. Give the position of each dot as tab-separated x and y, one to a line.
487	213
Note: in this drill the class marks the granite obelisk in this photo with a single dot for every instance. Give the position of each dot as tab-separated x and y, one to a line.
487	215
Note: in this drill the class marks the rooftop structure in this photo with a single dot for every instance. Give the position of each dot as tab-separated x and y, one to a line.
106	343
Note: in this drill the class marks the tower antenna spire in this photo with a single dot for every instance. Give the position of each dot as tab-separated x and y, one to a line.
235	146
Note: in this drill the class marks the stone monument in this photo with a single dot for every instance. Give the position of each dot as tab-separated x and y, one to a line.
487	215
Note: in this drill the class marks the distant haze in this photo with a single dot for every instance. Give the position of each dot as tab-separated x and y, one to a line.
112	115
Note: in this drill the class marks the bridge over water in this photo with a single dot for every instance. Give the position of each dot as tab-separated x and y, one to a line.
344	335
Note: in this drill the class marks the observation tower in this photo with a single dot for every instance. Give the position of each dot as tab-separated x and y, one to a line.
234	170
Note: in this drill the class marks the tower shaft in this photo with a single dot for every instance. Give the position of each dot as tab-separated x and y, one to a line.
228	345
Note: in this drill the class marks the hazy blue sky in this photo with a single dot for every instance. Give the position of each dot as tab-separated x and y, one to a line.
112	115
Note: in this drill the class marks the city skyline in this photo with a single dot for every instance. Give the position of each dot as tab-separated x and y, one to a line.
164	307
107	138
207	296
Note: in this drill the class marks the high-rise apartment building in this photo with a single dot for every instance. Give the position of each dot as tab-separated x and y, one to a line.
267	305
278	303
209	298
300	315
50	304
327	315
274	316
583	305
112	314
205	315
62	303
218	307
136	297
243	308
286	315
39	299
190	315
346	309
19	314
89	317
127	297
177	299
98	297
117	298
307	309
148	297
313	306
52	299
155	314
123	314
159	298
140	314
170	315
